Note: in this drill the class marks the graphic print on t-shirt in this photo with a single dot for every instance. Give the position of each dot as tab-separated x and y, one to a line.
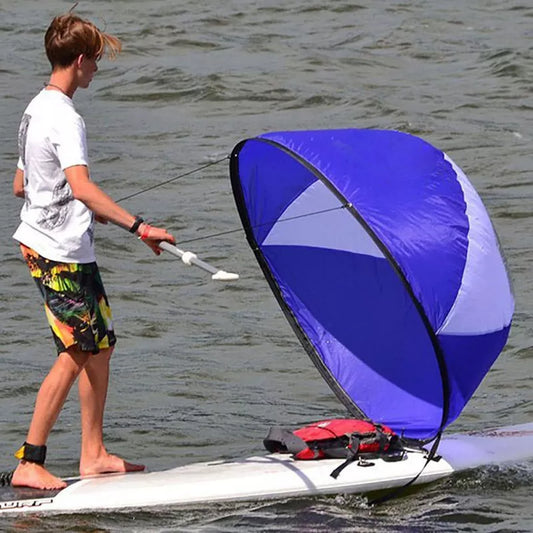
23	133
55	214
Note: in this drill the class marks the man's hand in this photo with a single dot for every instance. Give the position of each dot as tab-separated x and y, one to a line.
152	236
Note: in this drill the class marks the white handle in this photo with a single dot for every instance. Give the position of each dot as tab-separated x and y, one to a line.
190	258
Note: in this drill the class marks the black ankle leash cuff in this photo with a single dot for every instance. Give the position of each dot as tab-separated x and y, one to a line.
31	453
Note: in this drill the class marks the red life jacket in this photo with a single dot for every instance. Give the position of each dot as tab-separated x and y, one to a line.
348	439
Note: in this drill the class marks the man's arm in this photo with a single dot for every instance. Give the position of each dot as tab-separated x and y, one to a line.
18	183
103	206
96	199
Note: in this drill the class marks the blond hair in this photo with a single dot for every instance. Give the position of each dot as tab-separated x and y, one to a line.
69	36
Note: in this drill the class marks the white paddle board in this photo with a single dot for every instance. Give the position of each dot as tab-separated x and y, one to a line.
270	476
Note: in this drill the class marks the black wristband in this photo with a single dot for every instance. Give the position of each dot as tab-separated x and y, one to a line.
136	224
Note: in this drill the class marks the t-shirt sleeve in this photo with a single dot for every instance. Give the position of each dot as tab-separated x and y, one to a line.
20	164
71	142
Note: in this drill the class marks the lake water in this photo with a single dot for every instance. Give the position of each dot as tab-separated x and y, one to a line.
203	369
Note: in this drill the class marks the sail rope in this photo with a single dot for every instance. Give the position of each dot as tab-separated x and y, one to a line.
170	180
288	219
394	493
230	231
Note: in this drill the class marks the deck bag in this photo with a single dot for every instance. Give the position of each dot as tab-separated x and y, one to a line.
348	439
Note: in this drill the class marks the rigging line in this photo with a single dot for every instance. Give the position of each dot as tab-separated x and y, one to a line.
395	492
288	219
171	179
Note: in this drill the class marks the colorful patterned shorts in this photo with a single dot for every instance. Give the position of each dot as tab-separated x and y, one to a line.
75	302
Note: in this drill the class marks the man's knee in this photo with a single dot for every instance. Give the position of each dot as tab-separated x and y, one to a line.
73	359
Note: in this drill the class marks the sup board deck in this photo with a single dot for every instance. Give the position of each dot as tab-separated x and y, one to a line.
270	476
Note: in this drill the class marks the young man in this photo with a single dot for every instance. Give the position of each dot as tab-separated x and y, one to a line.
56	238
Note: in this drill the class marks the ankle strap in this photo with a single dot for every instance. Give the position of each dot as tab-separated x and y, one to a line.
31	453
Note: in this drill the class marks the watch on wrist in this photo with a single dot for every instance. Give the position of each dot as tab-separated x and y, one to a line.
136	224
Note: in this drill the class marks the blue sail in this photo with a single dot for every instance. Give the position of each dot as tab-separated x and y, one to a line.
386	264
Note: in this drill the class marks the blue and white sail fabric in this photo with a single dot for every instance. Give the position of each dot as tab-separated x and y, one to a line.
386	264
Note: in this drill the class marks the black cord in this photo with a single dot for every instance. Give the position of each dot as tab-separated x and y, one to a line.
288	219
188	173
222	233
399	490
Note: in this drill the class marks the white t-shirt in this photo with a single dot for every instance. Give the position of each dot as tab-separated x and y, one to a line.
51	139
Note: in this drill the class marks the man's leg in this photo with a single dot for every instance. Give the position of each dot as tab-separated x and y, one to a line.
92	385
50	399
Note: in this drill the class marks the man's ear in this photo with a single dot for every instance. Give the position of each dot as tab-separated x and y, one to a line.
79	60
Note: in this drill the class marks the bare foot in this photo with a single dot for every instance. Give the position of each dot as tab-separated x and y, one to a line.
108	464
35	476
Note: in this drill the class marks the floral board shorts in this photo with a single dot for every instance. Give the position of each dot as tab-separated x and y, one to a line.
75	302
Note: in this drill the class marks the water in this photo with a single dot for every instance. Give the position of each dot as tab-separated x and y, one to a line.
202	369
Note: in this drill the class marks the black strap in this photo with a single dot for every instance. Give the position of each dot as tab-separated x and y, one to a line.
352	449
396	492
31	453
136	224
283	440
382	438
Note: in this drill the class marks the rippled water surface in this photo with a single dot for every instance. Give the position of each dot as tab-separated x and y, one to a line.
201	370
